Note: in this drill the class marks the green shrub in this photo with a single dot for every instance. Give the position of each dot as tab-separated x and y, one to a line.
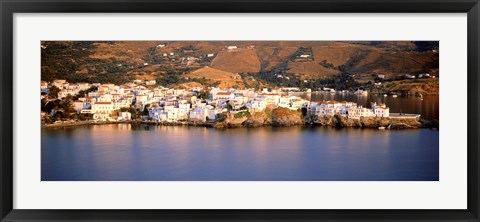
242	114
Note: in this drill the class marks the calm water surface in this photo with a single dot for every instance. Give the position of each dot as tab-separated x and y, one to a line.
169	153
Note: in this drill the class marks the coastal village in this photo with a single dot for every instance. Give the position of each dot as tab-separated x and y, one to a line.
239	110
147	102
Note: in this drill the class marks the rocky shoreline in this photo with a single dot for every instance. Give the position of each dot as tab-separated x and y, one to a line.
370	122
284	117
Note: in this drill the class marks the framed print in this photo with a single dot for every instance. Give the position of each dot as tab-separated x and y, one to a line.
264	110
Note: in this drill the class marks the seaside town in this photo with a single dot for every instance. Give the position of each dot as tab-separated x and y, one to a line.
239	110
64	102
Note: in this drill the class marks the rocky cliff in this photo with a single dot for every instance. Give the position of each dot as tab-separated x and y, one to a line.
286	117
275	116
367	122
278	116
257	119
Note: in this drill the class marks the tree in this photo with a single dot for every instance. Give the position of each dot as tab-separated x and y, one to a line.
304	111
204	94
131	110
69	98
145	110
59	115
53	92
83	93
229	106
47	106
67	105
242	114
342	68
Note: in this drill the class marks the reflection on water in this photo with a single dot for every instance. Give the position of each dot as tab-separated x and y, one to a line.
125	152
427	107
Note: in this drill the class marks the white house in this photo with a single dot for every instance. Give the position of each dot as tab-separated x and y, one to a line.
59	83
102	107
270	99
212	113
408	76
78	105
124	116
102	111
151	82
157	113
380	110
172	113
199	113
224	95
122	103
44	87
424	75
105	98
331	108
202	112
360	111
255	105
93	94
284	102
83	86
64	93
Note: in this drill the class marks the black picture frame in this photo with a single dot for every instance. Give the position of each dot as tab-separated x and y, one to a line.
9	7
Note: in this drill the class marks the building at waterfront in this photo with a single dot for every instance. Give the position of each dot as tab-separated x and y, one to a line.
171	105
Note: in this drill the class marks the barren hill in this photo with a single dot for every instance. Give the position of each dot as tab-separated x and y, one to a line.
225	79
259	62
238	61
274	57
311	70
368	60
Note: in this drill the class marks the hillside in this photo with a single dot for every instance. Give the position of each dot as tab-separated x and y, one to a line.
237	61
259	63
224	79
413	86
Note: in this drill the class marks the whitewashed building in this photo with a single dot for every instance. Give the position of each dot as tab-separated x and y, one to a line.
124	116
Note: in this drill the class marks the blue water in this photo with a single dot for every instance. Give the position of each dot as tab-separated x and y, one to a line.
170	153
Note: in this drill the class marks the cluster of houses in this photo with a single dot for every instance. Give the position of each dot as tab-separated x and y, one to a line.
350	109
171	105
419	76
234	47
